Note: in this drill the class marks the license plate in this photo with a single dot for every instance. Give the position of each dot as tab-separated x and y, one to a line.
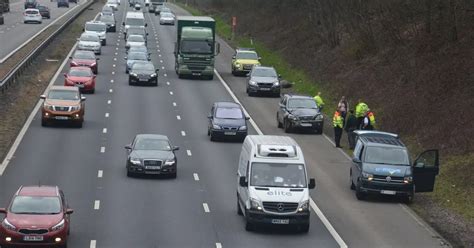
196	74
265	89
150	167
230	133
80	85
33	238
62	118
388	192
306	124
281	221
143	80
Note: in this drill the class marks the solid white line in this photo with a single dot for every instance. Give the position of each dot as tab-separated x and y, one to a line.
178	117
196	177
100	173
93	244
189	153
183	133
313	205
218	245
107	115
174	104
109	101
96	204
102	149
171	92
104	130
334	144
28	122
206	208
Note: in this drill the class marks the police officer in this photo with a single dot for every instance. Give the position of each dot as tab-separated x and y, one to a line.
338	124
350	127
319	101
361	110
367	123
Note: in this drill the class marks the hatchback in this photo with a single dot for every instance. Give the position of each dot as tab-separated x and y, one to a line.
32	15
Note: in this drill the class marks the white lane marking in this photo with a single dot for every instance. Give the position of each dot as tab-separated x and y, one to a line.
28	122
100	173
111	81
115	59
165	75
174	104
334	144
102	149
36	35
104	130
109	101
189	153
118	43
159	50
107	115
218	245
196	177
171	92
313	205
167	83
96	204
93	244
206	208
113	65
116	48
159	55
178	117
116	53
158	46
113	73
111	90
183	133
162	67
161	61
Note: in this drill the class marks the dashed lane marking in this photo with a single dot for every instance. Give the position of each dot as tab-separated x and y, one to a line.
161	61
183	133
109	102
93	244
159	55
113	73
115	59
162	67
206	208
107	115
167	83
111	90
111	81
100	173
189	153
96	204
104	130
196	177
113	65
165	75
218	245
174	104
171	92
102	149
178	117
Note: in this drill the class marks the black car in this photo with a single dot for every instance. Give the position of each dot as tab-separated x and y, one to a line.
381	165
109	20
31	4
263	79
44	11
143	73
227	120
63	3
72	1
151	154
296	111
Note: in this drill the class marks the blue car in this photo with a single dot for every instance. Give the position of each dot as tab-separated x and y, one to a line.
227	121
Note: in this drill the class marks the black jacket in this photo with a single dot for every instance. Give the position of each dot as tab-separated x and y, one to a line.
351	123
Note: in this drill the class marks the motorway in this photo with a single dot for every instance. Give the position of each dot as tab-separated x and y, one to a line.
198	208
14	32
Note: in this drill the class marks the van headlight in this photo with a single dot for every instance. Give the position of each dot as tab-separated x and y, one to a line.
368	176
58	226
135	161
7	225
276	83
408	179
238	65
255	204
48	106
292	117
75	108
304	206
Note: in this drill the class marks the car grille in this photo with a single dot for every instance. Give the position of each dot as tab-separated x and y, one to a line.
392	179
33	231
61	108
265	85
143	77
152	162
248	67
306	118
230	128
280	207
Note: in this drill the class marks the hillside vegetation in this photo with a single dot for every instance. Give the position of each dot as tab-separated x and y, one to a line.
411	61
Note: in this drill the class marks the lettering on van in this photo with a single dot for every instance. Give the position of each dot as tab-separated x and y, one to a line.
389	170
279	192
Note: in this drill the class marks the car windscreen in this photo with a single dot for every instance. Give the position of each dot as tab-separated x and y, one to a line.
278	175
80	73
135	22
141	49
36	205
90	38
302	103
137	56
264	72
143	67
196	46
166	14
246	55
95	27
386	155
63	95
229	113
136	38
152	144
41	7
107	9
84	55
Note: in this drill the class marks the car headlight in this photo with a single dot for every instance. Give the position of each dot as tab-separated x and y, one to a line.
238	65
153	75
93	64
319	117
133	74
292	117
75	108
58	226
112	25
368	176
277	83
304	206
243	128
135	161
255	204
47	106
7	225
251	82
216	126
170	162
408	179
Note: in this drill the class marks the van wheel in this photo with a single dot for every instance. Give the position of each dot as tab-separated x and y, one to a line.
359	194
279	125
239	210
213	138
248	226
174	175
44	123
304	228
129	173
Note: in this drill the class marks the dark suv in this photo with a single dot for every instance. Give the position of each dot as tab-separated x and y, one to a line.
381	165
31	4
297	111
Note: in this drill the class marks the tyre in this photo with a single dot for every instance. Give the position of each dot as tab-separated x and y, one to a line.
92	91
174	175
211	77
213	137
279	125
319	131
44	123
304	228
287	126
130	82
80	124
180	76
408	199
248	225
359	194
130	174
239	210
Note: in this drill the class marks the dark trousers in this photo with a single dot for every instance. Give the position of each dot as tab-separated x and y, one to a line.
351	138
337	136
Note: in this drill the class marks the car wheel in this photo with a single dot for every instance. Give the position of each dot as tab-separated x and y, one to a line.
359	194
44	123
287	126
350	178
213	138
174	175
208	132
279	125
304	228
80	124
319	131
239	210
211	77
130	174
408	199
92	91
130	82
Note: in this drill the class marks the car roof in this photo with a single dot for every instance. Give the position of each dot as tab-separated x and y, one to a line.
263	67
378	138
38	190
227	104
298	96
59	87
80	68
151	136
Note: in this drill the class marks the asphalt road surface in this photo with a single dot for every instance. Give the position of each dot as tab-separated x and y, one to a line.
198	208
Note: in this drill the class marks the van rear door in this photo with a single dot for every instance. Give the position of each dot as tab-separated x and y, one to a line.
425	170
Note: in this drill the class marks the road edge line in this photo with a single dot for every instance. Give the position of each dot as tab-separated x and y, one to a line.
32	115
313	205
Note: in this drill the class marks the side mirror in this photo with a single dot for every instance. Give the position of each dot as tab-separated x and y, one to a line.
243	182
218	48
43	97
233	57
70	57
248	74
146	33
65	74
3	211
356	160
128	147
175	148
209	116
247	118
312	183
279	75
83	98
259	58
281	105
125	57
157	70
69	211
146	24
123	23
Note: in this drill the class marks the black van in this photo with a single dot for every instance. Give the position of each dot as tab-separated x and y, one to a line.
381	165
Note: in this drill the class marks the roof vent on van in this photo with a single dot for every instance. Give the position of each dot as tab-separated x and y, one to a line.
276	151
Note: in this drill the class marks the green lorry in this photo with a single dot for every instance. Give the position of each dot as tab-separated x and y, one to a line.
196	46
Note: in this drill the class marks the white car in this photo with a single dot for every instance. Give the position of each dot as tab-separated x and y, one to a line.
90	42
135	40
32	15
167	18
97	27
113	4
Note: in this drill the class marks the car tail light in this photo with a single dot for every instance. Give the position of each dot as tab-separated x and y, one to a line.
73	63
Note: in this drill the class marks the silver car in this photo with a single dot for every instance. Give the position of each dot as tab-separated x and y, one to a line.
167	18
135	40
90	42
134	57
263	79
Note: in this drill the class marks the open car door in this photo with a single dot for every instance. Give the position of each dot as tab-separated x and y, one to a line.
425	170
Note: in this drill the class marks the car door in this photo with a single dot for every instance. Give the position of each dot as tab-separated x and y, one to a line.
281	110
211	117
425	170
356	163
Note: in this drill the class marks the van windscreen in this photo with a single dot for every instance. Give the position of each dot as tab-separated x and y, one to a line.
278	175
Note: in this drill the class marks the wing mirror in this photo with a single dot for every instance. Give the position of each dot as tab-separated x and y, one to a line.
97	58
259	58
356	160
248	74
69	211
3	211
146	24
312	183
83	98
247	117
243	182
128	147
65	74
123	23
233	57
209	116
43	97
125	57
157	70
175	148
279	75
70	57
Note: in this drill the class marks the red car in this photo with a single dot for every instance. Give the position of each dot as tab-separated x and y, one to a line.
84	58
81	77
36	216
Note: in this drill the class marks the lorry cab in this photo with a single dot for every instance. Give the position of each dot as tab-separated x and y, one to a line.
272	183
381	165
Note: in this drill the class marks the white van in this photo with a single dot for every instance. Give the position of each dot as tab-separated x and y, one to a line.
272	183
97	27
135	19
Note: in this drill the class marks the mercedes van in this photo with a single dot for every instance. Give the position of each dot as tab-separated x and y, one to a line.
133	19
272	183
